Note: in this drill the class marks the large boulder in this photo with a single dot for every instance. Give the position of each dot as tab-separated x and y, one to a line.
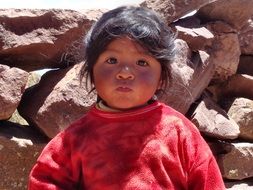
237	163
172	10
245	65
12	86
246	38
241	112
191	74
197	38
20	146
35	39
234	12
58	100
214	121
225	50
238	85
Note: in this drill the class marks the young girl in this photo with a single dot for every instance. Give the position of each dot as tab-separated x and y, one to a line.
128	140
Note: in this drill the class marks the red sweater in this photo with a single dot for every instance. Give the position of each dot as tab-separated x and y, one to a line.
153	147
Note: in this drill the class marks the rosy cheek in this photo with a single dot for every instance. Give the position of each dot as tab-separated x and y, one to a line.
106	73
103	74
148	78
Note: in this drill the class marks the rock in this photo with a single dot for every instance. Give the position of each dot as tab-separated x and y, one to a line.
240	185
16	118
220	28
217	146
33	78
12	86
241	112
246	38
245	65
237	164
36	39
58	100
173	10
214	121
191	73
236	86
19	148
213	56
234	12
225	51
197	38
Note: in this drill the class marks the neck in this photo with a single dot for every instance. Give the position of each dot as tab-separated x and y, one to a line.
101	105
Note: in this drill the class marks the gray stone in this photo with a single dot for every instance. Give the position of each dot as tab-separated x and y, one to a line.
241	112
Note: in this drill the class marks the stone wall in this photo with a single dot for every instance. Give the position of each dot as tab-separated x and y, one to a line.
212	81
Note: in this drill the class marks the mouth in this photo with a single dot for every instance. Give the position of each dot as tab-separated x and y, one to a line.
123	89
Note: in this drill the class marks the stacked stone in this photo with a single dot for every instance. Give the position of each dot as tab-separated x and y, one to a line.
212	80
31	40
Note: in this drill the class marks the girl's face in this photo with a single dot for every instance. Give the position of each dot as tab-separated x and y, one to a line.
125	75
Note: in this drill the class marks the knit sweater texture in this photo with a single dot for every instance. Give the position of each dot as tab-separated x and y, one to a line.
149	148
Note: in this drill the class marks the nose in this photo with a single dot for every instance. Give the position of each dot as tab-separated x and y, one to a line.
125	72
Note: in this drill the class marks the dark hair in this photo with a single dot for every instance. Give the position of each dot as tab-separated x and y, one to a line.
140	24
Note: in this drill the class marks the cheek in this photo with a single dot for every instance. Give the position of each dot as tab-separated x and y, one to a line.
102	75
150	78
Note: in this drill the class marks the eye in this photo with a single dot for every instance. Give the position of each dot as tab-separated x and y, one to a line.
112	60
142	63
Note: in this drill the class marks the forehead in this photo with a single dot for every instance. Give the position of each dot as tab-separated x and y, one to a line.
126	44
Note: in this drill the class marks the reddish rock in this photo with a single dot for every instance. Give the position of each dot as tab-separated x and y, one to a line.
35	39
191	74
225	51
220	27
20	146
12	85
172	10
237	163
246	38
234	12
245	65
58	100
197	38
214	121
236	86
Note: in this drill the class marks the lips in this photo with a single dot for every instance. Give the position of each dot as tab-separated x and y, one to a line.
123	89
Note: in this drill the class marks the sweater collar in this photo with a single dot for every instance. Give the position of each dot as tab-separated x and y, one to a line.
120	114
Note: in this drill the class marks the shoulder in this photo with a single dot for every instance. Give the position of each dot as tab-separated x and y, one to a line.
186	137
182	128
177	119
